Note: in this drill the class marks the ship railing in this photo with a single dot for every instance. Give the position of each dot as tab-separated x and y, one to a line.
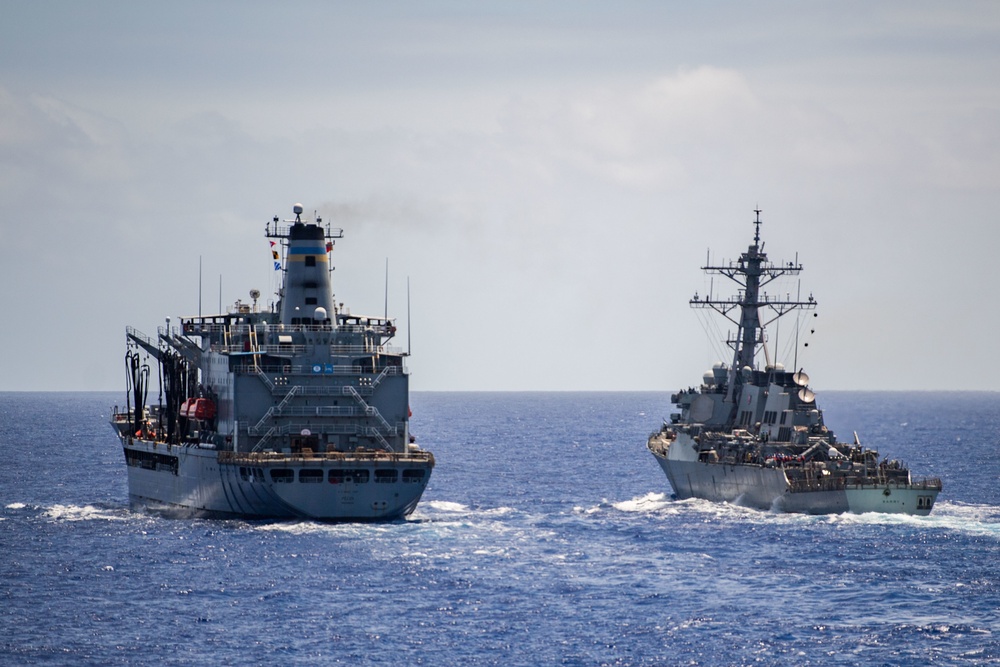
328	428
283	349
292	391
316	411
268	457
202	328
320	429
284	231
365	349
374	433
343	369
762	298
297	428
324	390
322	369
387	371
254	431
928	483
263	377
370	410
289	349
841	483
132	332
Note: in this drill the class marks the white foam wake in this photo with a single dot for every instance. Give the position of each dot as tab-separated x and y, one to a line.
83	513
651	502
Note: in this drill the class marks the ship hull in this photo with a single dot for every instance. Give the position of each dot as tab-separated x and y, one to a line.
768	489
190	481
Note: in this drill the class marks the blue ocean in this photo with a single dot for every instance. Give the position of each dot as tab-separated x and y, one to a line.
547	536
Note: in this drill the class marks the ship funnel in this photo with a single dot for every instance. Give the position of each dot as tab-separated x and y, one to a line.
307	298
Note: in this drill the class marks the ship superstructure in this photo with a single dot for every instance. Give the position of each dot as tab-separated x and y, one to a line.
755	436
300	410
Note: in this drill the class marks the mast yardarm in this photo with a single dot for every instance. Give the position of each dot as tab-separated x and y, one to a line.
752	271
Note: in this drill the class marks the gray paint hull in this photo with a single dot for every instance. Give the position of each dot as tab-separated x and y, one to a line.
200	485
767	488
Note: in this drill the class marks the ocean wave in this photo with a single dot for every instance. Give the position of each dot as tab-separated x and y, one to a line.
446	510
651	502
969	519
440	513
303	527
445	506
983	520
664	504
85	513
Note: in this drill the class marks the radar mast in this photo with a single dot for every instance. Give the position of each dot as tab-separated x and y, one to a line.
751	272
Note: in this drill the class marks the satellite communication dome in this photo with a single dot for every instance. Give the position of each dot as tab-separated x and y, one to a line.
297	209
319	314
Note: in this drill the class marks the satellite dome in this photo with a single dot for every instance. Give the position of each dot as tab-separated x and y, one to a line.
319	314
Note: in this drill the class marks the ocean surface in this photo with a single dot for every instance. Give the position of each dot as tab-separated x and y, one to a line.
547	536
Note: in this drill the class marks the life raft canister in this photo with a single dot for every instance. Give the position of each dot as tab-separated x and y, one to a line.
198	408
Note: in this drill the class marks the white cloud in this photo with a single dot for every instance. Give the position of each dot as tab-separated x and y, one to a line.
552	219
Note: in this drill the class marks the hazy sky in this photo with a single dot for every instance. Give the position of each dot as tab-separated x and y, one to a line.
549	175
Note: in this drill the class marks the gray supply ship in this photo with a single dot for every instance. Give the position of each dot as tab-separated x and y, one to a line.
301	410
755	437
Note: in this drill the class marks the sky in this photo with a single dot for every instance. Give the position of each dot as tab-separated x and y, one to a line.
547	177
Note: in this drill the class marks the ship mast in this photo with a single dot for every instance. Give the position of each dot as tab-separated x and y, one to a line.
751	272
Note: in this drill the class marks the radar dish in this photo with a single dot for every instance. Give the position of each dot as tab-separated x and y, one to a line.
254	294
702	408
806	395
800	379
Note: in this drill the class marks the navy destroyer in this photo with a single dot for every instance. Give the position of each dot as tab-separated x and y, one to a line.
297	410
755	436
